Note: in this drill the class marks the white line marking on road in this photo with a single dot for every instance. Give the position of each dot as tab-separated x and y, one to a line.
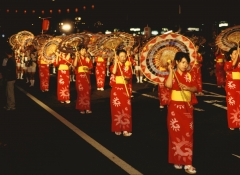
220	106
198	109
210	84
212	101
217	95
118	161
236	156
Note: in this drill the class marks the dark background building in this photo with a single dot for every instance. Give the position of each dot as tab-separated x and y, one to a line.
102	15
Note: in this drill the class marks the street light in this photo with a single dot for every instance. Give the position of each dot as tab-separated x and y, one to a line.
66	27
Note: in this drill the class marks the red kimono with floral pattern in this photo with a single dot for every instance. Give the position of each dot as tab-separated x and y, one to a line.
44	74
120	100
196	72
63	78
232	89
83	84
100	71
180	121
220	73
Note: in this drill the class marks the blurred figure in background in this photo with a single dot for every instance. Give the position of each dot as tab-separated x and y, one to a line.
232	88
219	66
196	72
100	71
10	79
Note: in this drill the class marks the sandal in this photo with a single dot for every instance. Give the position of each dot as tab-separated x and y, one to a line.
231	128
125	133
118	133
190	169
88	112
82	112
68	101
178	167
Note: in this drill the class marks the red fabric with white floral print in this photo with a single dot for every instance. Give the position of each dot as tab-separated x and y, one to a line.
83	85
232	89
100	72
44	76
163	92
196	72
180	125
63	81
120	102
220	73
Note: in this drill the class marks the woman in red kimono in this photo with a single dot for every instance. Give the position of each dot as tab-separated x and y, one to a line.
83	66
100	72
63	79
180	113
232	88
196	72
220	73
120	97
44	75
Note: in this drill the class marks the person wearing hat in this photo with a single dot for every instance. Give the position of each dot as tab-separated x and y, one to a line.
10	79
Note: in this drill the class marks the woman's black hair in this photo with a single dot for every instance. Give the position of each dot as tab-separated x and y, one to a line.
120	51
228	58
82	47
180	55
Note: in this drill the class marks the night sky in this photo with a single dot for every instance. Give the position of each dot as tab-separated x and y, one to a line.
121	14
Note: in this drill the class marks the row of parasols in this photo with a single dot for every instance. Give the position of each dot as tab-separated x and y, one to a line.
154	53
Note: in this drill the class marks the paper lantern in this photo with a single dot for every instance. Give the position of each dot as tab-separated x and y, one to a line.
45	25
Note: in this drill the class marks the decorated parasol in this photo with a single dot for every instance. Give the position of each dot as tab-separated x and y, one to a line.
116	40
72	42
22	36
228	38
49	49
27	43
156	54
12	40
39	40
93	37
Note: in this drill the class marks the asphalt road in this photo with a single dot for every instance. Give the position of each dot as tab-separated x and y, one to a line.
43	136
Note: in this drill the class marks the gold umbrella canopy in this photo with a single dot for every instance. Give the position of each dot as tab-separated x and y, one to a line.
71	43
93	37
13	40
228	38
156	53
49	49
108	42
22	36
39	40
